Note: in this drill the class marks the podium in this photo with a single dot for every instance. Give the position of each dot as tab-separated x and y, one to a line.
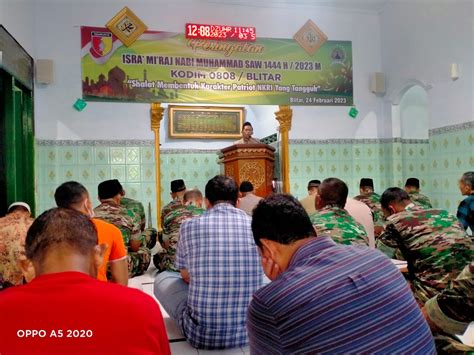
250	162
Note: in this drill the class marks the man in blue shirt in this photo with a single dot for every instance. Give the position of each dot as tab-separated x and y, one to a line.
219	271
325	297
466	207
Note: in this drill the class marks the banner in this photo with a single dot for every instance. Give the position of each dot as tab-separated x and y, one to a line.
167	67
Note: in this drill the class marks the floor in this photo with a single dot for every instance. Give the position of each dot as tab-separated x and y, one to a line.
178	345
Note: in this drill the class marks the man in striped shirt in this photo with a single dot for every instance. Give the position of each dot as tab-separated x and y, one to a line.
326	297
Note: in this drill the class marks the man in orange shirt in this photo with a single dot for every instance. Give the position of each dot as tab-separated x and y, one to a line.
74	195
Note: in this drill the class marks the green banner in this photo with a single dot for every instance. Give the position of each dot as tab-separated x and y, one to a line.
167	67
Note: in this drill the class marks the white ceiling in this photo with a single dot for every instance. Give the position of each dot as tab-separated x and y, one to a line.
358	5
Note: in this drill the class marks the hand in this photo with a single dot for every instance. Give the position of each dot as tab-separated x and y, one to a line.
270	268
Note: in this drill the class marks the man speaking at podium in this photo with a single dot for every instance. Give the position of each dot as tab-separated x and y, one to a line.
247	131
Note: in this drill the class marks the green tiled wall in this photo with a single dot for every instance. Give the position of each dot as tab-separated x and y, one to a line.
134	166
438	164
388	163
451	154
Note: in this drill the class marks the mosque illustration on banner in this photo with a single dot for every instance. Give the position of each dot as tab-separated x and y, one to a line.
116	86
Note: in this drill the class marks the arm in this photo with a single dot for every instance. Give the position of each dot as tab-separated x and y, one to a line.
119	271
262	328
453	309
184	275
463	214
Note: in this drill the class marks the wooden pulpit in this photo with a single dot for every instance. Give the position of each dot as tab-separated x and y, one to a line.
250	162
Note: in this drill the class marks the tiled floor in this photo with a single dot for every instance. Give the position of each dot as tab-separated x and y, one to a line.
178	344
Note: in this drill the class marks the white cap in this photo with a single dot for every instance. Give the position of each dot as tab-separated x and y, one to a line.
22	204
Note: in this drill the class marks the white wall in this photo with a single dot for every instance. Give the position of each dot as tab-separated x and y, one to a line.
420	39
17	17
60	41
414	115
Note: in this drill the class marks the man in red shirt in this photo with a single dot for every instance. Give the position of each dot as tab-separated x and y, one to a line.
65	309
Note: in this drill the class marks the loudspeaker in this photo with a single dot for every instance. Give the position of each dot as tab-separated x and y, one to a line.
454	71
44	71
377	83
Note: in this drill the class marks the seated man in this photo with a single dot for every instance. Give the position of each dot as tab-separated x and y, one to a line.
331	219
192	199
362	214
72	311
309	203
136	210
220	271
450	312
325	297
432	242
13	228
465	212
110	211
172	215
249	200
74	195
371	199
412	187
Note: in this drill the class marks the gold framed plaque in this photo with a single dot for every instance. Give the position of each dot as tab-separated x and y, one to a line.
201	122
126	26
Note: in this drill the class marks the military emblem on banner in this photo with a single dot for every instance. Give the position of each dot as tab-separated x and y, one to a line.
310	37
101	43
126	26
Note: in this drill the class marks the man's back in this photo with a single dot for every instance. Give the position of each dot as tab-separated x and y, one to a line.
248	203
337	299
373	201
339	225
134	209
76	313
420	200
116	215
13	228
308	203
110	235
433	243
220	254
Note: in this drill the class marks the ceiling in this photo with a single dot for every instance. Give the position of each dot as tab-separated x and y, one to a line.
358	5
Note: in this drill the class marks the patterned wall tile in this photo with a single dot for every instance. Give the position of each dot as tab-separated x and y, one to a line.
133	173
132	155
101	172
101	155
117	155
85	155
117	172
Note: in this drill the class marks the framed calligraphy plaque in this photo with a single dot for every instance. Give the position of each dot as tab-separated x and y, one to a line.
205	122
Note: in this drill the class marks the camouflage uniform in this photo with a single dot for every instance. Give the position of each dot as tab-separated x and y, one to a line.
452	310
420	199
138	261
373	201
172	216
434	245
13	228
136	210
336	222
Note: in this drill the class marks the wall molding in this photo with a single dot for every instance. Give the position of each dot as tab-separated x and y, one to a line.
451	128
150	143
359	141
